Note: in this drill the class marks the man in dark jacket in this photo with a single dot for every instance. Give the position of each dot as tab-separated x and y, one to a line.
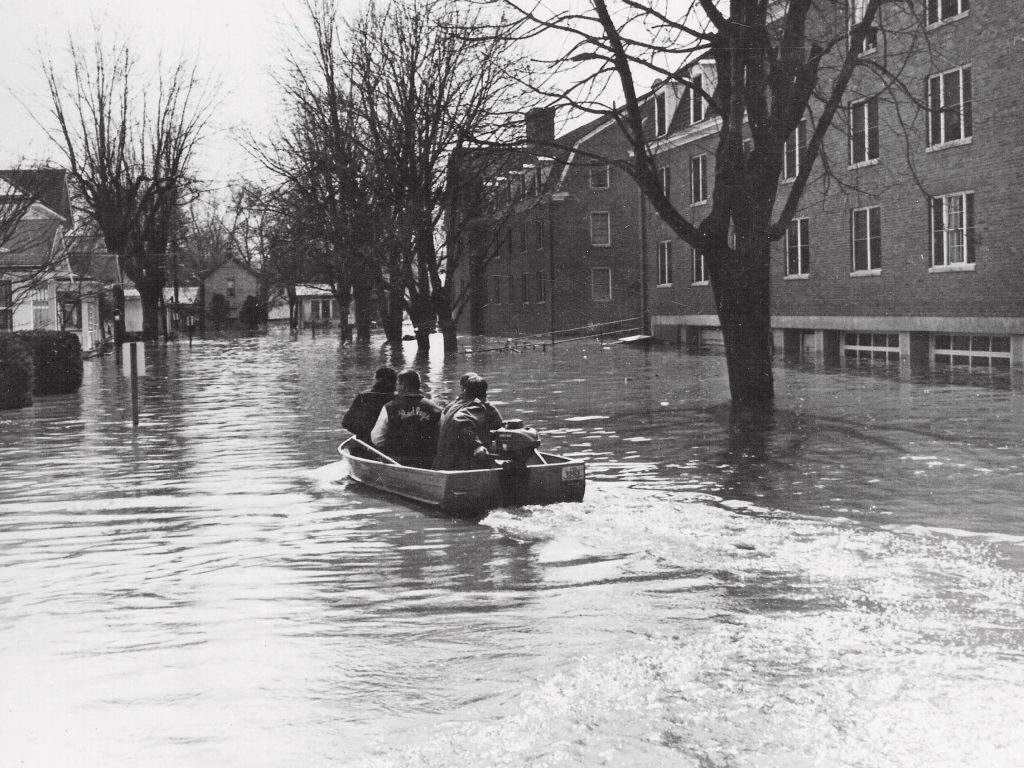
365	409
466	426
406	429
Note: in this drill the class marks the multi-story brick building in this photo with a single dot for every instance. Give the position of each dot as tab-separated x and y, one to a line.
909	248
557	250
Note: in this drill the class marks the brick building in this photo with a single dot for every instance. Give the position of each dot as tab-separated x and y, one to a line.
907	250
910	249
556	248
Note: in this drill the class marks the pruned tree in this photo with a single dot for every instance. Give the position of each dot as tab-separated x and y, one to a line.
766	66
129	141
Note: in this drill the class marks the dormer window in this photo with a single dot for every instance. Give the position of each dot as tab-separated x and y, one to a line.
695	99
870	42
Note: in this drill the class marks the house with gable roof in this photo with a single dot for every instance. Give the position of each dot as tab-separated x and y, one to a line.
39	287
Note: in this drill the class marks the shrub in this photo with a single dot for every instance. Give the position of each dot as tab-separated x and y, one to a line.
58	361
16	373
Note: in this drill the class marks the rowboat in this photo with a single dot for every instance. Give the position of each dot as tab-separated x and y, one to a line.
543	478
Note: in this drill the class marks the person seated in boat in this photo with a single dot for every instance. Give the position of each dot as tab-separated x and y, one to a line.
466	425
406	429
366	406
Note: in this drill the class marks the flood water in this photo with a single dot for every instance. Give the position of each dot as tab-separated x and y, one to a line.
839	582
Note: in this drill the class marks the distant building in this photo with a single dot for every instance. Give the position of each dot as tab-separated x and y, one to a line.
224	291
553	245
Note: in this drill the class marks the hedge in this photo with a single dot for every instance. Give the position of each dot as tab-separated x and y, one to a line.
16	373
58	361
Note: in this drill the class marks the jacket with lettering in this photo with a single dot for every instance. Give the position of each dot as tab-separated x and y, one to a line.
407	428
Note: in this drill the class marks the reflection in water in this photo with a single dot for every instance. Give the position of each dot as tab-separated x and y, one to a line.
833	581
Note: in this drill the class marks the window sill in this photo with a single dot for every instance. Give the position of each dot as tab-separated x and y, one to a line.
699	203
599	301
965	267
600	245
947	20
663	285
865	272
863	164
701	282
797	277
950	144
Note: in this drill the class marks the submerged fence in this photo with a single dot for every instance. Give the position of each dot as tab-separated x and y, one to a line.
599	331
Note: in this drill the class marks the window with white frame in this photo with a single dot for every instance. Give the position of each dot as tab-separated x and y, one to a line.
524	235
40	308
665	180
866	234
600	228
698	179
542	287
665	263
6	305
538	233
948	96
972	351
229	288
525	287
694	103
599	177
864	131
953	229
940	10
601	284
700	268
660	115
870	42
793	149
798	248
883	347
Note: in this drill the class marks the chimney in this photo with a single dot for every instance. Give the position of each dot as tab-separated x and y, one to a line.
540	125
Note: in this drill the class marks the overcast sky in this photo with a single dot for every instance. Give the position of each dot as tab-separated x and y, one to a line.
237	40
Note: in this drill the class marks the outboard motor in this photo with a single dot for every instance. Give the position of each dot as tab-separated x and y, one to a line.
515	443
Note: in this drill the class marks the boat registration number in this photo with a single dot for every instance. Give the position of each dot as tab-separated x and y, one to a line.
574	472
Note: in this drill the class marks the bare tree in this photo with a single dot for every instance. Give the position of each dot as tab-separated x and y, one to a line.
765	66
129	143
428	83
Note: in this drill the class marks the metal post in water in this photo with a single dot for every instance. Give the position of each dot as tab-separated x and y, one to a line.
133	362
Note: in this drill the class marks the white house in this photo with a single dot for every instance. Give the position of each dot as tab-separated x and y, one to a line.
39	289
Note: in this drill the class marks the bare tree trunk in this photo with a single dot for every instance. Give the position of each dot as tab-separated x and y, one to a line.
149	293
362	299
391	314
740	283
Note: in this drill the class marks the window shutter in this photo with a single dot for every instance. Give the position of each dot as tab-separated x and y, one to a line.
933	96
966	74
938	230
969	226
872	126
